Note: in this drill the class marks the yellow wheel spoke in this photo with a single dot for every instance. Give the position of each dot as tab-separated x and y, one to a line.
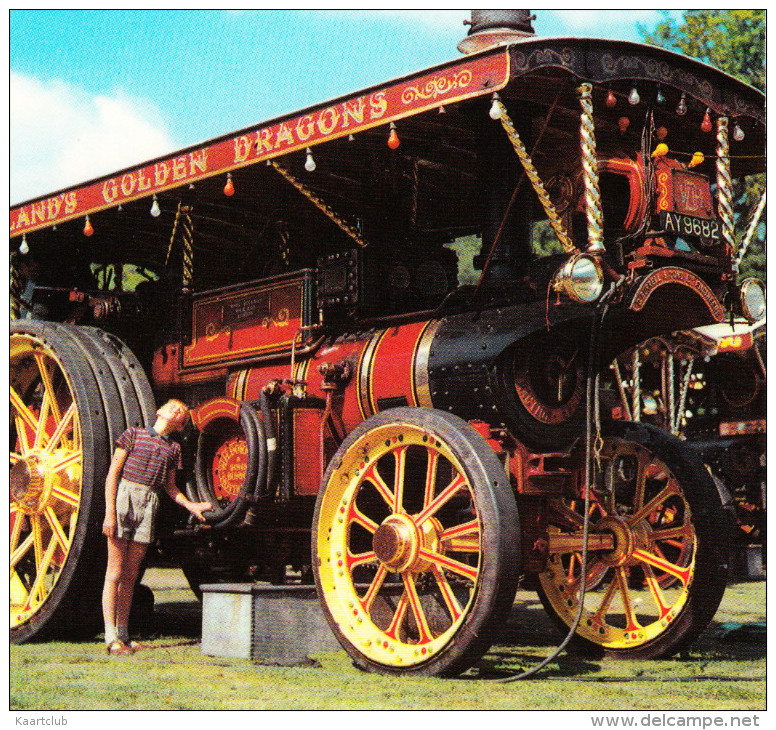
40	432
606	602
56	528
42	570
15	458
20	551
417	608
59	432
431	473
21	433
683	574
374	588
48	385
442	498
16	529
69	460
361	559
400	455
442	561
23	412
371	475
447	594
66	496
672	533
670	489
643	461
463	538
656	591
621	578
398	616
357	516
37	534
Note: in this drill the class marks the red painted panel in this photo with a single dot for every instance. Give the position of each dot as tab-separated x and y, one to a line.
392	372
308	450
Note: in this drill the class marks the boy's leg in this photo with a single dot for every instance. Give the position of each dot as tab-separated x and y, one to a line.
117	551
134	557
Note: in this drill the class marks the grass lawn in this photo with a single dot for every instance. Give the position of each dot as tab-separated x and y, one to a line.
173	674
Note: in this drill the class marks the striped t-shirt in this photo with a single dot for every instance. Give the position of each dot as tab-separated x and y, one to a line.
150	457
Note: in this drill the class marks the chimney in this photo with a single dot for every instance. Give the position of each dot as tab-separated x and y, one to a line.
491	28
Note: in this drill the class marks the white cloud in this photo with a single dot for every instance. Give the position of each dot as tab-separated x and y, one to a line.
62	135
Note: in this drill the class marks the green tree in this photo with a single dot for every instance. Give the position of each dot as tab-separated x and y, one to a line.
731	40
734	42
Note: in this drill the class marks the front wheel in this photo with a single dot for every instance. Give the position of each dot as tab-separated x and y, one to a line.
415	543
657	560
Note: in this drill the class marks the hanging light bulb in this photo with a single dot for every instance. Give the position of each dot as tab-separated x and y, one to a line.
309	163
229	187
681	107
706	123
623	123
660	151
697	159
611	99
662	133
442	110
738	133
88	230
495	107
24	249
633	97
156	211
659	98
351	138
393	138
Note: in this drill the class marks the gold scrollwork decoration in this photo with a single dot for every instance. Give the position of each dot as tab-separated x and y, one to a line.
436	87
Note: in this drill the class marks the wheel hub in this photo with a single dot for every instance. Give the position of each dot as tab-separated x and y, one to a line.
627	538
30	483
396	541
399	539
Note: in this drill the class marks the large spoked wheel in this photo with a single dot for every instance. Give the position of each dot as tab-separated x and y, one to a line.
66	408
415	543
657	560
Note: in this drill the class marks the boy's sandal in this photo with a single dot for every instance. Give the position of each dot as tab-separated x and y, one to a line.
118	648
135	646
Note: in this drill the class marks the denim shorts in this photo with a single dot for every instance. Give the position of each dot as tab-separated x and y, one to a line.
136	507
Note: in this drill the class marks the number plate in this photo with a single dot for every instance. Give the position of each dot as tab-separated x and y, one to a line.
707	231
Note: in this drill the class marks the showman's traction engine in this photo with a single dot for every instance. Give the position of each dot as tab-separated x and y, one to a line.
389	314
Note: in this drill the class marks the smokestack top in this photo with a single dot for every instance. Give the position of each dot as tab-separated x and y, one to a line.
491	28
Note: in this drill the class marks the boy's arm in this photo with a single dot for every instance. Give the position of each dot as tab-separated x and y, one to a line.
196	508
111	487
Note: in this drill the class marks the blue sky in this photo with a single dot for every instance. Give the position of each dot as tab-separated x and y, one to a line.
94	91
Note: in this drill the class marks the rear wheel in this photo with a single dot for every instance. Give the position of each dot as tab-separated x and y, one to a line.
657	560
415	543
64	413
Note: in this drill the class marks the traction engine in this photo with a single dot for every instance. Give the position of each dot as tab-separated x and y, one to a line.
390	316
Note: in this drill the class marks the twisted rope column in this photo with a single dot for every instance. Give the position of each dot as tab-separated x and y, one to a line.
724	184
318	203
636	369
750	229
595	216
533	175
683	394
188	248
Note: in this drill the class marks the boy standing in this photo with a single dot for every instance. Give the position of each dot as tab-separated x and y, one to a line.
144	463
